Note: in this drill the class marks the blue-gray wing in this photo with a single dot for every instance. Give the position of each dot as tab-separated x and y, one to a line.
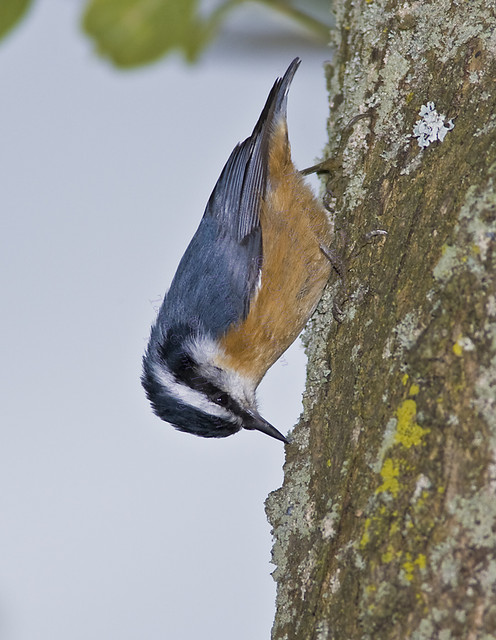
237	196
218	273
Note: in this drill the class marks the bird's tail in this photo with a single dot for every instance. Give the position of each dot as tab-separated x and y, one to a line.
275	106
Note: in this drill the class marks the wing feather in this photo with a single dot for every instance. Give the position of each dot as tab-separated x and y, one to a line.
217	276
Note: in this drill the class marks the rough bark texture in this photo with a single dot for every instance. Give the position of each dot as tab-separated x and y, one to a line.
385	526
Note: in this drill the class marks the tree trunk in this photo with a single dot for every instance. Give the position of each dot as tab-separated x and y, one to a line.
385	526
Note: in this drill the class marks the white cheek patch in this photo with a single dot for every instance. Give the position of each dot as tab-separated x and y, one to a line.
209	357
189	396
204	351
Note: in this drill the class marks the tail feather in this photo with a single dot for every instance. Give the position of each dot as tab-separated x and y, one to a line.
276	103
238	194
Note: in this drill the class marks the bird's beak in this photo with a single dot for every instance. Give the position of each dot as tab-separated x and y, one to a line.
254	420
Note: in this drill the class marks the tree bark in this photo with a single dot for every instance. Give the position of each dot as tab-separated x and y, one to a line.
385	526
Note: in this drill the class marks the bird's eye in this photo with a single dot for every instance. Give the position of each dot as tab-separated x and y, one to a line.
222	399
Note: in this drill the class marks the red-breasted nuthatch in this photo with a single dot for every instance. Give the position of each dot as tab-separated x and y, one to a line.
248	282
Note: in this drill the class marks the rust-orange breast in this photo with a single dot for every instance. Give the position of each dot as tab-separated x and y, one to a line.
294	272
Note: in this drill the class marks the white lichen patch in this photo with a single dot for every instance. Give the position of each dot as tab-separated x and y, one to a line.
423	483
431	126
328	524
491	306
407	331
465	343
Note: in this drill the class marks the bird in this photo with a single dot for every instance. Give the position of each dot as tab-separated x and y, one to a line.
245	287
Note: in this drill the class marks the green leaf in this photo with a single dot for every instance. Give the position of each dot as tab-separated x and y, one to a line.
134	32
11	11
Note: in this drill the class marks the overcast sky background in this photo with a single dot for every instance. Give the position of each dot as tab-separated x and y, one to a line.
114	525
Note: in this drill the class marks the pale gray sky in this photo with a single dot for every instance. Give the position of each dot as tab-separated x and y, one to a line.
114	525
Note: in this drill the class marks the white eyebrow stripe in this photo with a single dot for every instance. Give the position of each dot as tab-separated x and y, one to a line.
189	396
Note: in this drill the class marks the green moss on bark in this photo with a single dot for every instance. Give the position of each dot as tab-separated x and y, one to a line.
385	524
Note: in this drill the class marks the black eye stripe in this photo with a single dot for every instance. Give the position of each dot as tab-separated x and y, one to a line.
223	399
216	395
180	362
186	372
